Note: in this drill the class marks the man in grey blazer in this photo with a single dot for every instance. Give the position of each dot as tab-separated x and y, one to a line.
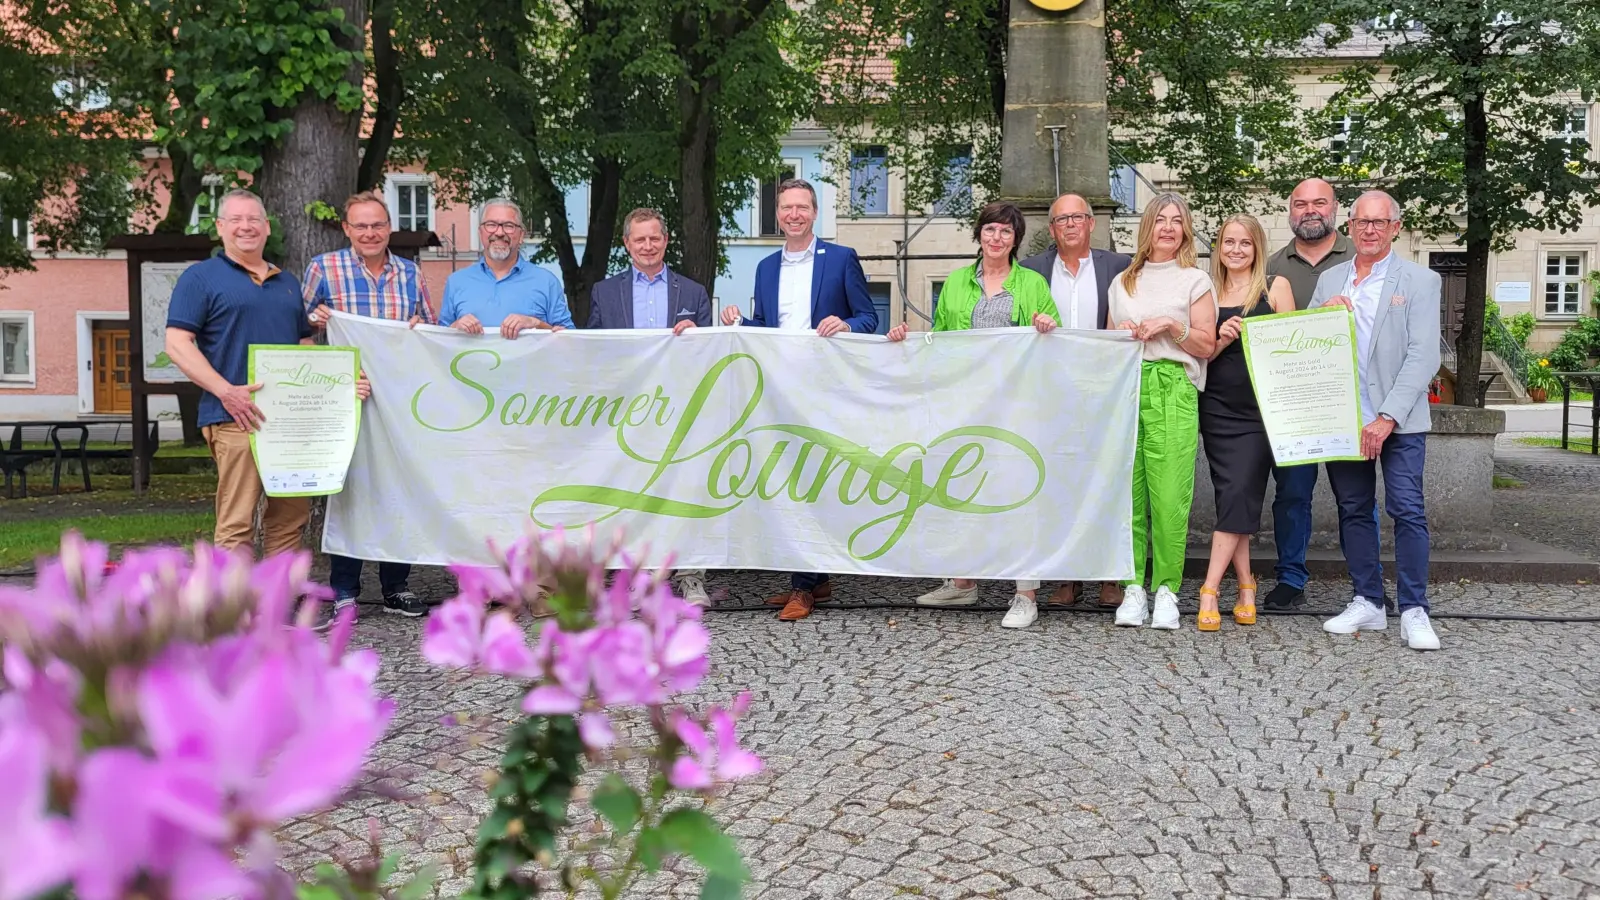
1079	279
647	294
1396	307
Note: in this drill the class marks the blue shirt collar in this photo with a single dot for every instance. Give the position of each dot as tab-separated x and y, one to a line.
483	263
641	278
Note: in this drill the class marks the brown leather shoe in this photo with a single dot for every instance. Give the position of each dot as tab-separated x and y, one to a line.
800	605
1110	594
821	592
1066	595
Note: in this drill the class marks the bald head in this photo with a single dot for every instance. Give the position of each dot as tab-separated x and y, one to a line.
1071	224
1313	211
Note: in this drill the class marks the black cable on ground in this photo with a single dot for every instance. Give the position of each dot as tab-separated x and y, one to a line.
1111	610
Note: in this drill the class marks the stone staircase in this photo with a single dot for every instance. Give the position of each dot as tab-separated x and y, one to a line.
1499	391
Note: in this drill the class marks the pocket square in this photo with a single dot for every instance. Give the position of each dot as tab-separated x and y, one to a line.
685	312
1397	300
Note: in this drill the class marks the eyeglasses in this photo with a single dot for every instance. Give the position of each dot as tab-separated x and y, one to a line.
367	227
1071	219
1370	224
1001	231
500	227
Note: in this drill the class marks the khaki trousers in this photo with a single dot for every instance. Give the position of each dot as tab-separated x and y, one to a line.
239	492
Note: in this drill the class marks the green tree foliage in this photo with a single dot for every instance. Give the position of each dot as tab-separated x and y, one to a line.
1469	127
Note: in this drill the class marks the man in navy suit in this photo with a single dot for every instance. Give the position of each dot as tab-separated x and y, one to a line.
649	295
808	285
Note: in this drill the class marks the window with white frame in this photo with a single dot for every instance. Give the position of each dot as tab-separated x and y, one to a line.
15	226
1575	132
411	202
204	214
1563	282
1344	141
957	197
767	200
16	347
1125	187
869	180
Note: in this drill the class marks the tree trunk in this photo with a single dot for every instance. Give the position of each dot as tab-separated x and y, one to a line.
697	174
316	160
389	91
1469	343
187	184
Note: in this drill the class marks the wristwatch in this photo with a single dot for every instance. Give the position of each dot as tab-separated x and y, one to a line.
1389	417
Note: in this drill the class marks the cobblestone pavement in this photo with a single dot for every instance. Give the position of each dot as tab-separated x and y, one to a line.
931	753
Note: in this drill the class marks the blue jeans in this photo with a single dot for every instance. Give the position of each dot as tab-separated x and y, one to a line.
806	581
1355	487
344	576
1291	521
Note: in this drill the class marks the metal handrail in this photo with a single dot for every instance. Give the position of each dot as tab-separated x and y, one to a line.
1503	343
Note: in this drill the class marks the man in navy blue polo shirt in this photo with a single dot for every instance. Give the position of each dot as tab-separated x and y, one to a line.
503	290
219	308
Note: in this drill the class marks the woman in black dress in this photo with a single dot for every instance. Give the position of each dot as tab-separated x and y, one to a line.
1230	422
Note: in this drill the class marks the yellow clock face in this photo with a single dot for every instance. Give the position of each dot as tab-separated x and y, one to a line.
1056	5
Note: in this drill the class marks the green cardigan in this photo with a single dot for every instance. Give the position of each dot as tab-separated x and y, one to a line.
1030	294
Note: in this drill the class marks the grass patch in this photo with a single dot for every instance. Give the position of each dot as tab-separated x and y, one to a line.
1579	444
1506	481
171	451
23	542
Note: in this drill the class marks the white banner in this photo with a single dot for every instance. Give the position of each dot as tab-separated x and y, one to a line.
989	454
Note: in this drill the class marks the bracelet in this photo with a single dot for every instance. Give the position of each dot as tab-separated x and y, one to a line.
1185	336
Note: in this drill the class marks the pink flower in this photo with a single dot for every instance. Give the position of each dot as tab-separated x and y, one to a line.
36	848
44	699
595	730
453	633
710	758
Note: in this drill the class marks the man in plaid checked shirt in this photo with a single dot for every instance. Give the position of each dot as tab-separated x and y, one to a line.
365	279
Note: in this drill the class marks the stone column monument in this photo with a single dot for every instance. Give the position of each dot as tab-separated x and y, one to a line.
1056	76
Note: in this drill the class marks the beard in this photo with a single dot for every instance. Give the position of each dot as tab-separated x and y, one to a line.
1311	227
499	252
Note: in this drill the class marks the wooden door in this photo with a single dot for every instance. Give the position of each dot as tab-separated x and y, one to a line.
112	390
1452	269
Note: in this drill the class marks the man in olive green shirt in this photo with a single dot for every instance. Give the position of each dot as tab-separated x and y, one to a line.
1316	248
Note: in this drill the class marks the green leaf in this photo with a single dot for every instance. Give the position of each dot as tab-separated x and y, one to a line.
652	847
316	892
696	834
388	867
618	803
420	885
718	887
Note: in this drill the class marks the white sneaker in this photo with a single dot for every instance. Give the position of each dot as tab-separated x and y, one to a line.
692	588
1023	612
948	594
1360	615
1417	630
1134	603
1166	614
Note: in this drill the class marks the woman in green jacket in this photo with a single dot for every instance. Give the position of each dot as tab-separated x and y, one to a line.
993	292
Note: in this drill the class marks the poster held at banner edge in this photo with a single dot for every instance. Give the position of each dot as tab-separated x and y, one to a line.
993	454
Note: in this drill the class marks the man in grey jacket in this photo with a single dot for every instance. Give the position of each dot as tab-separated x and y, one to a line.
647	294
1079	278
1396	308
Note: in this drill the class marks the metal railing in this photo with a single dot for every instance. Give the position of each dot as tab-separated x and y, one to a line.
1499	340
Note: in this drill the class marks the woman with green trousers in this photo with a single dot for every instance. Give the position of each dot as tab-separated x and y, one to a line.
1167	302
993	292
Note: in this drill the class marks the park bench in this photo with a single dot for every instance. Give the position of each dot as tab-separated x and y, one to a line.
83	453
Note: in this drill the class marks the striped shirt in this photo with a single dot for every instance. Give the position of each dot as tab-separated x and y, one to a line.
342	281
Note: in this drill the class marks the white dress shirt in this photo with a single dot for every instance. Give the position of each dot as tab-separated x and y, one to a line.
1365	296
1075	295
794	289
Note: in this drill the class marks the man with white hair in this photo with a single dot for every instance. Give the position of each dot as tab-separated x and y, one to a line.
1396	307
503	290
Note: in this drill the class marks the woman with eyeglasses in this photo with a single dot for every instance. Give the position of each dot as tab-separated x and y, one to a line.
1237	451
993	292
1166	301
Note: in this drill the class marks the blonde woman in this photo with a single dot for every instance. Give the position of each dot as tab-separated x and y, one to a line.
1230	422
1166	301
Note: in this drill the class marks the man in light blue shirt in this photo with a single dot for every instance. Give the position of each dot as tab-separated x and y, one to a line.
502	289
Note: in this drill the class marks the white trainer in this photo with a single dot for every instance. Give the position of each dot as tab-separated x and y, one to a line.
1417	630
692	588
1166	613
948	594
1360	615
1023	612
1134	604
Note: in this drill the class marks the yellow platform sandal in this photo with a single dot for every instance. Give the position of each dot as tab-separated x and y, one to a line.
1244	611
1208	621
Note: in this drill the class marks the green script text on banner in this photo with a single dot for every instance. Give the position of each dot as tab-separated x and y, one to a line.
989	454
